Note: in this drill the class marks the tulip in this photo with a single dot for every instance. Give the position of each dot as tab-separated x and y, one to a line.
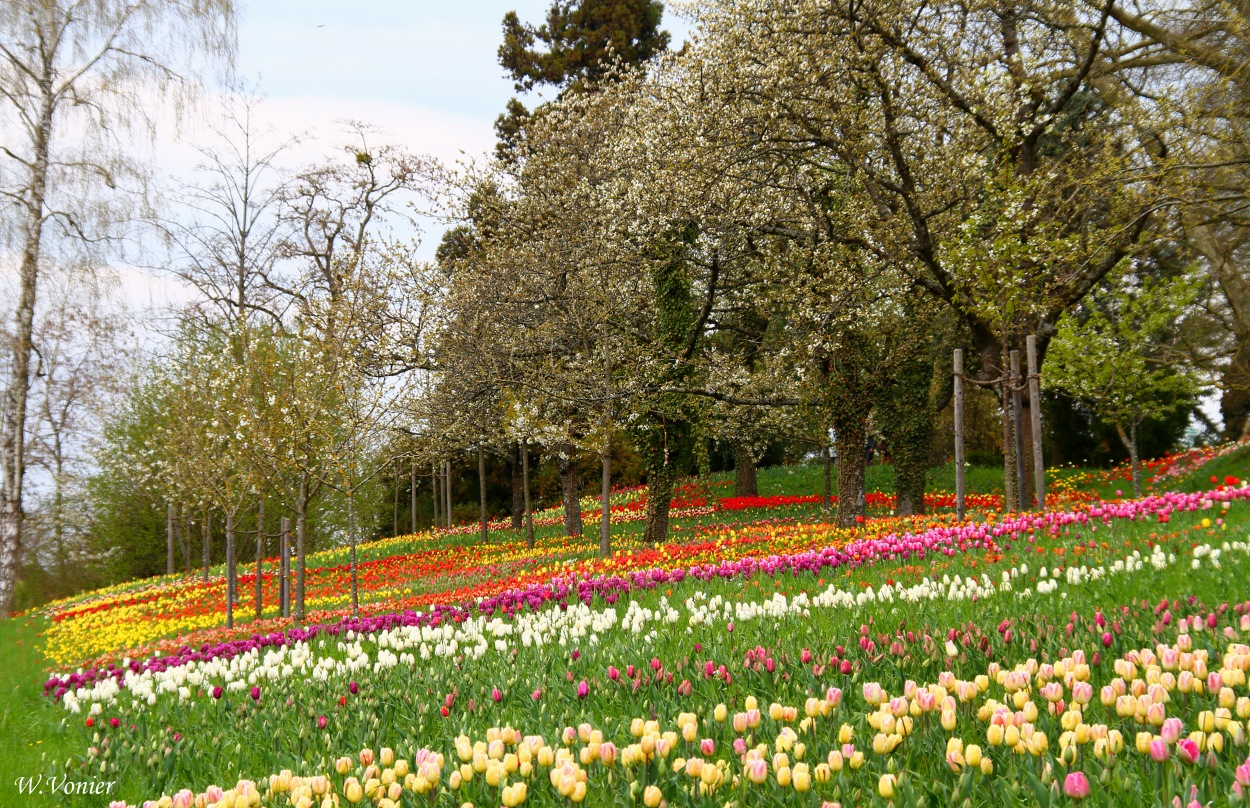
1187	751
1076	785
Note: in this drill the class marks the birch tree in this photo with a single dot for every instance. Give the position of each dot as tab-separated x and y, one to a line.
78	79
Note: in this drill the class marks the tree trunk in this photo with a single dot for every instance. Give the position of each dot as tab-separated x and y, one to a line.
301	536
518	495
284	567
169	539
481	491
1009	460
14	406
412	497
659	501
434	476
851	436
568	488
447	492
208	530
1235	399
605	504
745	481
229	569
184	539
525	491
259	594
351	537
1129	439
827	451
907	423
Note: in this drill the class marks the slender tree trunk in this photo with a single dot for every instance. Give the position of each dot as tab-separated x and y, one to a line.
58	513
605	503
259	594
434	476
1129	439
351	537
229	569
395	525
447	492
184	539
412	497
525	485
208	530
481	491
14	406
1009	460
745	480
568	488
284	567
169	539
301	537
518	495
827	451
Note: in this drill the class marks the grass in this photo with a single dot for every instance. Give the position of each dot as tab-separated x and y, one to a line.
32	734
37	738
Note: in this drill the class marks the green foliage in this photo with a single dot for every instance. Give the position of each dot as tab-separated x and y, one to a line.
1114	353
582	40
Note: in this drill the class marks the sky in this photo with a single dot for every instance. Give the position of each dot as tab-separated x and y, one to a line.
426	74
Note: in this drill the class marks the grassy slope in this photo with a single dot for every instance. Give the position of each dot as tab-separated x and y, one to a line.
32	736
30	733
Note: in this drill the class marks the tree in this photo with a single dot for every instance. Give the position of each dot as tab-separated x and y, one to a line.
81	362
74	80
1114	356
584	40
232	238
331	211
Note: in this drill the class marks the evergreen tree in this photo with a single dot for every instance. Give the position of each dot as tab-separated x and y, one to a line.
574	49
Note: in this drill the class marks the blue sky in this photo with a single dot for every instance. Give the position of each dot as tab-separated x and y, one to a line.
425	74
400	59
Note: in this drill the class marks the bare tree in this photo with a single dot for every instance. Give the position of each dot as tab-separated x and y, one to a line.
75	77
81	354
232	241
332	211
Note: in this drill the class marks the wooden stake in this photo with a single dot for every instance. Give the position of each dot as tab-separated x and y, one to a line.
1035	416
284	567
1017	416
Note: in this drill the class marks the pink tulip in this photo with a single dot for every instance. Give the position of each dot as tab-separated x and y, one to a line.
321	722
1171	730
707	746
740	747
496	694
536	695
1187	751
613	673
1159	751
1076	785
583	689
1242	774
